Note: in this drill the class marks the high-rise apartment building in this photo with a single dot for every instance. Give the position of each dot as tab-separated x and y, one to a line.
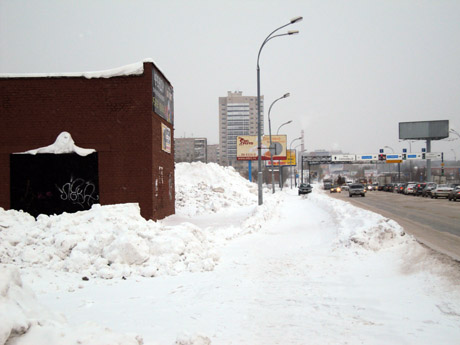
190	150
237	116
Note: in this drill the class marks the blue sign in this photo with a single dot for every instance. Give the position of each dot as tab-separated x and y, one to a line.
381	150
366	157
423	150
392	157
404	150
412	156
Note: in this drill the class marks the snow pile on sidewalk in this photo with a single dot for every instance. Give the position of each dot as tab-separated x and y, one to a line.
203	188
23	321
356	226
107	241
114	241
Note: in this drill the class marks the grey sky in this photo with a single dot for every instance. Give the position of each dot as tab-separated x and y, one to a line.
356	69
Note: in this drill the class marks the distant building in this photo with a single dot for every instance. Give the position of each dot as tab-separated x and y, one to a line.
190	150
237	116
213	153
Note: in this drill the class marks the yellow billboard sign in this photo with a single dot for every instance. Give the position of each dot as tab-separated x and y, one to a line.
290	159
246	147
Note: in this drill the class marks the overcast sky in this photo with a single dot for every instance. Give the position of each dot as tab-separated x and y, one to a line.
355	71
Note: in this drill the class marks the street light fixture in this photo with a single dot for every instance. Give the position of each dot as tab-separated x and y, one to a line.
290	146
272	149
286	123
259	128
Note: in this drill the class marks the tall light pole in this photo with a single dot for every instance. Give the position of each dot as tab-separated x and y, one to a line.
272	149
290	146
280	168
259	127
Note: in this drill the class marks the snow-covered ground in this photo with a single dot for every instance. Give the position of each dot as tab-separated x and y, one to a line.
296	270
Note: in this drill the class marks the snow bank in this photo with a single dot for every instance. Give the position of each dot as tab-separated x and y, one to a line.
114	241
23	321
203	188
106	242
356	226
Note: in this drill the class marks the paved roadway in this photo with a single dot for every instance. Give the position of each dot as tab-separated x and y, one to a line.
434	222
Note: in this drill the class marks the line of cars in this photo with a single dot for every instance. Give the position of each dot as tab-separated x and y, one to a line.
425	189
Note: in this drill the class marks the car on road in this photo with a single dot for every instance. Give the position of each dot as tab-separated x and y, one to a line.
305	188
454	194
336	189
419	188
426	192
356	189
441	191
345	187
390	187
400	187
410	189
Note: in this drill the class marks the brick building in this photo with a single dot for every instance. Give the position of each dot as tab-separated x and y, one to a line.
110	111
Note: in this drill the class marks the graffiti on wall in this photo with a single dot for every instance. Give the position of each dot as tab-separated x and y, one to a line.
53	183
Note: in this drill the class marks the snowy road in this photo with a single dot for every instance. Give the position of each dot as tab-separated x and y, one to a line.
299	280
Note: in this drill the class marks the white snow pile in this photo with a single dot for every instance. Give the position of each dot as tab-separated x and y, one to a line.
203	188
356	226
63	144
106	242
114	241
25	322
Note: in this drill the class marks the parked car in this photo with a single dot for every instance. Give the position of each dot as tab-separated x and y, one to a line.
426	192
454	194
410	189
441	191
335	189
356	189
419	188
305	188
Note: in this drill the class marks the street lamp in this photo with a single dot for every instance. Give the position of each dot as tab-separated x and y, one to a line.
290	146
259	127
286	123
272	149
280	168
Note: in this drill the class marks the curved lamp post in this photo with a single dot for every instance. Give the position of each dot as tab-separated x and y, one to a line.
259	127
290	146
279	165
272	151
286	123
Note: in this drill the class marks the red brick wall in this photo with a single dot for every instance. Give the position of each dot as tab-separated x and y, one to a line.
112	115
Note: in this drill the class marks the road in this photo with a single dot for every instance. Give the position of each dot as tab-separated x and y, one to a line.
434	222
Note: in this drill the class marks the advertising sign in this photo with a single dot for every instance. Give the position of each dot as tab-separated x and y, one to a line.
290	160
163	102
165	138
246	147
422	130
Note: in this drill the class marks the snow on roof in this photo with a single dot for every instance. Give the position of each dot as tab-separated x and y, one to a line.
63	144
132	69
